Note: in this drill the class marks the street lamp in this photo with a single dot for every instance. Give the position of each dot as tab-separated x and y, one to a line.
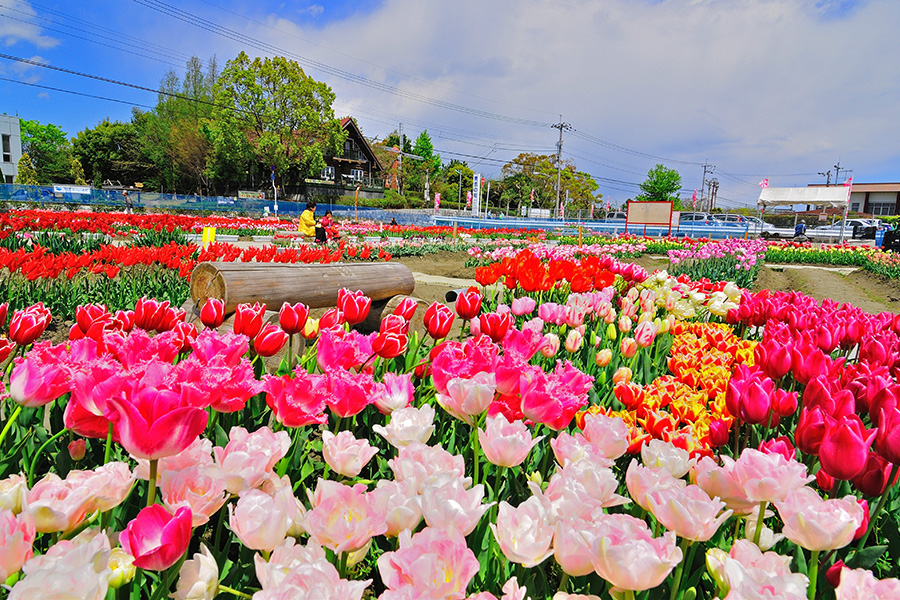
459	187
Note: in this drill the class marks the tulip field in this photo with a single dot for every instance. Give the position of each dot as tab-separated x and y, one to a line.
573	426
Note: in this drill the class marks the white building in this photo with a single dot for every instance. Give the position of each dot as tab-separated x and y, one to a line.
10	147
877	199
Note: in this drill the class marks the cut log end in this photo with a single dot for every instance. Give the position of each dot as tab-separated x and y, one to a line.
207	282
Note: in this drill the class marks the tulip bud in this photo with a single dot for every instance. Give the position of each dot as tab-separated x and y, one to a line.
310	329
603	357
622	375
628	347
573	341
611	332
718	433
824	481
4	309
77	449
550	346
861	530
122	566
833	574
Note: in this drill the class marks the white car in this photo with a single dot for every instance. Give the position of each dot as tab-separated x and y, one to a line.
851	223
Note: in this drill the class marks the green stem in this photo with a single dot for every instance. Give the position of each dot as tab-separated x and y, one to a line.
759	521
9	424
342	565
151	487
878	507
228	590
813	575
563	582
38	453
476	450
679	570
109	436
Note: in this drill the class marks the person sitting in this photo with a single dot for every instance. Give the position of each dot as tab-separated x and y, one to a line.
800	232
308	225
328	225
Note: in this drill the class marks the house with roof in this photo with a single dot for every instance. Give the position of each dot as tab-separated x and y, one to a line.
356	167
876	199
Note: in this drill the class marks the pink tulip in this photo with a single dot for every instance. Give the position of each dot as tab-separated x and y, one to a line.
55	505
506	444
570	448
313	580
665	455
581	488
466	398
780	445
429	564
297	401
249	459
201	489
398	502
396	392
645	333
550	346
625	553
573	341
157	539
345	454
108	485
641	481
768	477
342	518
248	319
609	434
286	556
817	524
408	425
718	482
452	507
524	533
425	464
213	313
70	568
198	454
572	546
845	447
860	584
523	306
348	394
16	537
40	377
689	512
198	577
152	423
260	520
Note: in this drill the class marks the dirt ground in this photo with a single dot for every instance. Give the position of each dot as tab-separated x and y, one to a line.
868	291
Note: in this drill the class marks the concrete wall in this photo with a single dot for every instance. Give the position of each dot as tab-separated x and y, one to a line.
9	125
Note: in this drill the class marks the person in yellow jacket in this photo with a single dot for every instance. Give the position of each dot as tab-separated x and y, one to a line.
308	224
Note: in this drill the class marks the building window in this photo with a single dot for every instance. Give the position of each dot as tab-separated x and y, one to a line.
882	208
7	149
356	174
9	179
854	206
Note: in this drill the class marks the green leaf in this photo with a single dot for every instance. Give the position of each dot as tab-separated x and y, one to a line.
865	558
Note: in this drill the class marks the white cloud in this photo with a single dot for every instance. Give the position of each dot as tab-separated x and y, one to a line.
313	10
762	87
16	25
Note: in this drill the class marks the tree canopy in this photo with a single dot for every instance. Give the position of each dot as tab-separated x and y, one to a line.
49	151
662	184
537	172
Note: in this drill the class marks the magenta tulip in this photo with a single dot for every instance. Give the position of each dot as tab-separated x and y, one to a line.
873	480
248	319
155	538
270	340
888	440
293	318
845	447
810	430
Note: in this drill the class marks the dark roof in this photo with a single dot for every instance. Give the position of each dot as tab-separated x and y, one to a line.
349	125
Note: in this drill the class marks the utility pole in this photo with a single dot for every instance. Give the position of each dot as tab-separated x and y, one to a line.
827	176
837	172
707	170
561	126
400	160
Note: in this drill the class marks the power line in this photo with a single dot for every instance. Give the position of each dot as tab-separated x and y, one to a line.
65	91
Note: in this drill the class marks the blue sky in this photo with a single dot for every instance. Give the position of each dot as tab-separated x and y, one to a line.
778	89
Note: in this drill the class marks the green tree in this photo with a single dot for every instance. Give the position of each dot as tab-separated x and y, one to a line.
415	170
286	115
114	151
76	172
25	173
49	150
662	184
530	171
456	175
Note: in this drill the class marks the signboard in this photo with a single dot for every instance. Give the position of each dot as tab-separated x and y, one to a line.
72	189
251	195
649	213
476	193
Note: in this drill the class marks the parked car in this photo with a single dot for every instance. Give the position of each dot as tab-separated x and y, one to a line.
616	216
697	218
754	223
850	224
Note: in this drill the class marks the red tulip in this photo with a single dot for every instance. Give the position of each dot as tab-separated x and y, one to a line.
861	530
88	314
28	324
154	423
406	308
354	305
874	477
332	318
394	324
4	309
438	320
149	314
155	538
810	430
186	332
248	319
213	313
390	345
6	348
170	319
824	481
833	574
845	447
293	318
270	340
124	320
887	442
468	304
495	325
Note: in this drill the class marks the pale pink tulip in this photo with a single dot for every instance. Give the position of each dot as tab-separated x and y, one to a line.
429	564
80	564
398	502
609	434
817	524
467	397
718	482
580	489
861	584
248	460
566	596
451	507
16	537
312	581
524	533
424	464
569	448
342	518
572	541
198	454
262	521
689	512
642	480
665	455
57	506
395	393
107	485
198	578
286	557
408	425
523	306
513	591
12	493
550	346
505	443
345	454
768	477
200	488
625	553
574	339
